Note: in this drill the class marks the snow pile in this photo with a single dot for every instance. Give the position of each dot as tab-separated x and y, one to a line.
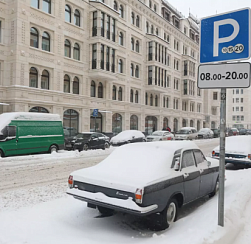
127	135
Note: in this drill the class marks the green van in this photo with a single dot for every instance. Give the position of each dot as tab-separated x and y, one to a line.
27	133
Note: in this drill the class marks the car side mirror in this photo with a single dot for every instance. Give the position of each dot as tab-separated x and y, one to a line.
133	137
177	165
208	163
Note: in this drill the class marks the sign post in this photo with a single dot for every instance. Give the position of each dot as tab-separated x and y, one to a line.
224	37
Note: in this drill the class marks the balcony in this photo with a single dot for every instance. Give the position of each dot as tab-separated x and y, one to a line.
156	88
186	95
101	71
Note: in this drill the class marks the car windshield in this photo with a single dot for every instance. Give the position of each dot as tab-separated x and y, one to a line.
203	130
183	132
83	136
157	133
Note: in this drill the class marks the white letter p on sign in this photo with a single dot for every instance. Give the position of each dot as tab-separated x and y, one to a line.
218	40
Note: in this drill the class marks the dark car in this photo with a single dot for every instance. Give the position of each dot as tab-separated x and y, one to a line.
216	132
248	132
69	139
147	178
91	140
242	131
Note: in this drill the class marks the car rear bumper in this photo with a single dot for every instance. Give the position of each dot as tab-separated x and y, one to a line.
100	199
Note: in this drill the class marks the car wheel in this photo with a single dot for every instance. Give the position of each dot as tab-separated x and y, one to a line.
107	145
53	148
1	154
215	188
105	211
169	215
85	147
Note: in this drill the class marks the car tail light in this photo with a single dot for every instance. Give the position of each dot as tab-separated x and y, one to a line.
213	153
70	181
139	195
169	138
249	156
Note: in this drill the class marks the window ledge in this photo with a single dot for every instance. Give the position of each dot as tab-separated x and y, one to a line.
71	24
72	59
41	11
42	51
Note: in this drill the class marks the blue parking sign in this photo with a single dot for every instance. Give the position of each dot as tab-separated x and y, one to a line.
95	112
225	37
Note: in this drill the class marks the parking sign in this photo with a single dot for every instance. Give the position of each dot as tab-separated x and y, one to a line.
225	37
95	112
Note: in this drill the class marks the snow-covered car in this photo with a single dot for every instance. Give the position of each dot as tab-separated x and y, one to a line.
147	178
186	133
127	136
160	135
237	150
205	133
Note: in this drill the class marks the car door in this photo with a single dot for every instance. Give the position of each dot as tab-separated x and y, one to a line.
206	173
191	176
101	141
94	142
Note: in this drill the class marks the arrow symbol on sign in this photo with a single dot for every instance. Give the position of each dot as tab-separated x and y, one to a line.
222	121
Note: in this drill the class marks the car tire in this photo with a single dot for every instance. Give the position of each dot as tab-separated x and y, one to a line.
107	145
215	189
1	154
105	211
169	215
53	148
85	147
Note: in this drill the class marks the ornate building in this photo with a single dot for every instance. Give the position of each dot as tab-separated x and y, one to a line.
135	61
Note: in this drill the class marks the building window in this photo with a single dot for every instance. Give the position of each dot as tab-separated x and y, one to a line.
115	6
33	37
113	30
131	96
215	96
121	11
33	77
46	42
71	120
67	13
120	94
241	109
132	18
242	118
38	110
35	3
150	75
132	70
154	7
147	27
93	89
114	93
134	122
241	100
102	61
107	58
137	21
241	89
121	39
77	18
95	24
151	29
66	84
237	100
113	60
132	44
156	101
137	71
233	118
120	66
94	56
137	46
76	52
102	23
146	99
157	32
237	91
136	97
100	90
151	100
45	80
150	4
67	48
108	22
1	31
47	6
237	109
76	85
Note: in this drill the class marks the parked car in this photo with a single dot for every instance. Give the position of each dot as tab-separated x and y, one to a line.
127	136
69	139
27	133
160	136
147	178
186	133
205	133
91	140
248	132
216	132
242	131
235	131
237	150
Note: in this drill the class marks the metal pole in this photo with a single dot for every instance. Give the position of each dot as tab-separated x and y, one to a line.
222	158
95	124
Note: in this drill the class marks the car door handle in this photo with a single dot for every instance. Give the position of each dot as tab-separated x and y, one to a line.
186	175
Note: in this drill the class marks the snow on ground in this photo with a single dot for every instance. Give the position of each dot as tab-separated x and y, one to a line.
48	215
66	220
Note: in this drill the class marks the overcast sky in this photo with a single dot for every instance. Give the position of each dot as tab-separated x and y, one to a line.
202	8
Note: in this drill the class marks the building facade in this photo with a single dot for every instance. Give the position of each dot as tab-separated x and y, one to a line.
134	61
